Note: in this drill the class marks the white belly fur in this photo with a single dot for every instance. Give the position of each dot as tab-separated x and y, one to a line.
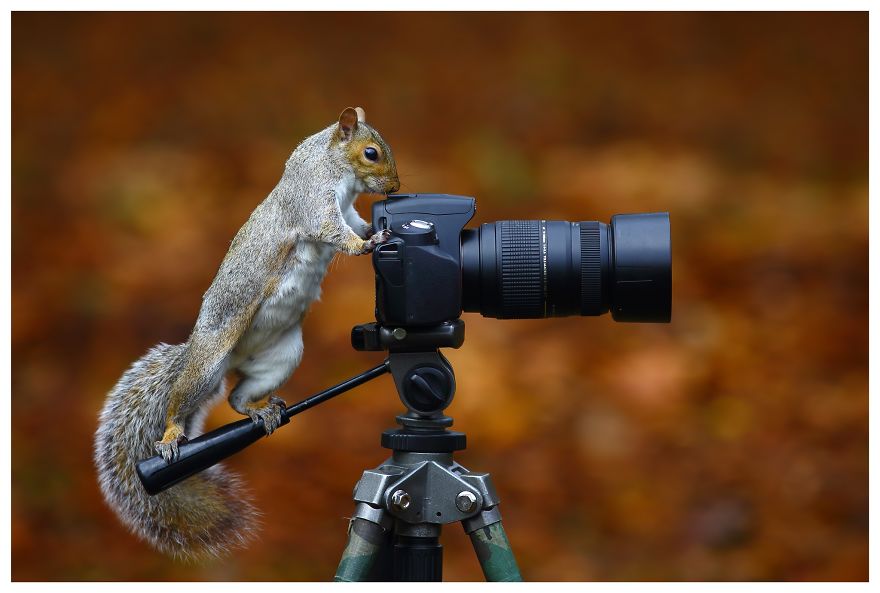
283	311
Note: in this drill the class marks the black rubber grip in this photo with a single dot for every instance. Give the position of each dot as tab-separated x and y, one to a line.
201	453
591	271
522	269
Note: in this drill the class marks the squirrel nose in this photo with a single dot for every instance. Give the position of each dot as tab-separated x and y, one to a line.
394	186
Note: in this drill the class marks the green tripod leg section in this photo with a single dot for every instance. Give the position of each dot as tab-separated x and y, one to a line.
494	553
365	541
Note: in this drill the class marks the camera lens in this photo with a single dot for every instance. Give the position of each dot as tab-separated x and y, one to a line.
518	269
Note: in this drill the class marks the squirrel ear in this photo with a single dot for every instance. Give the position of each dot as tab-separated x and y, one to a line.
362	117
348	121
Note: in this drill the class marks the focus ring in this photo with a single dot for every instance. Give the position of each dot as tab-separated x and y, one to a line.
522	269
591	270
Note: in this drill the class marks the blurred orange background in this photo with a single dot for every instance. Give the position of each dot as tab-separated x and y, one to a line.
730	444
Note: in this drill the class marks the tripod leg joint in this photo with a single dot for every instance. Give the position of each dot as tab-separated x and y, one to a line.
374	515
373	484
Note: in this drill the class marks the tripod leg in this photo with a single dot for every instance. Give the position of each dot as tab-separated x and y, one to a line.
492	547
365	542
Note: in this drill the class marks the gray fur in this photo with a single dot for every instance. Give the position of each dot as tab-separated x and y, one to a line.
250	322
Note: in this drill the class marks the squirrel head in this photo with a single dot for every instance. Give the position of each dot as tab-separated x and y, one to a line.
366	153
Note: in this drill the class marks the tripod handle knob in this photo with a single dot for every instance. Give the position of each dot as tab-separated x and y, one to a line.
428	389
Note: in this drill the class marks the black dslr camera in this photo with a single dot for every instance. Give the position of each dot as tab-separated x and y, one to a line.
433	268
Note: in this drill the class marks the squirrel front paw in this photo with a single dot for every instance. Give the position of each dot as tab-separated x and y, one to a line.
168	446
377	239
270	414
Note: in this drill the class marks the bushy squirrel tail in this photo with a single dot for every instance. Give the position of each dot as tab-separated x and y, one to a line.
205	515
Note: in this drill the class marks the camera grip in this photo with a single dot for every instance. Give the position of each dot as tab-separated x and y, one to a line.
199	454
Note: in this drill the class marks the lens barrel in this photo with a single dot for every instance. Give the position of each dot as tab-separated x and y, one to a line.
518	269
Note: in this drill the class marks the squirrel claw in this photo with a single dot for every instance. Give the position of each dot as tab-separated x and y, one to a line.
168	446
270	414
377	239
168	451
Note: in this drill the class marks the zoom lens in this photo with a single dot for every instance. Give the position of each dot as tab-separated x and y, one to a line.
518	269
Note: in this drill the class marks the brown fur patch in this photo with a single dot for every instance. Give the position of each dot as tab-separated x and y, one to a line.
362	165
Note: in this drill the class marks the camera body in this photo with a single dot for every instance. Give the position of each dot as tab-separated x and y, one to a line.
418	270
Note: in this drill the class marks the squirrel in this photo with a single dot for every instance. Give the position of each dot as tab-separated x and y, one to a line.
250	322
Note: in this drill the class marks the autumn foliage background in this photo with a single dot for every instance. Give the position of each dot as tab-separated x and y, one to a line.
730	444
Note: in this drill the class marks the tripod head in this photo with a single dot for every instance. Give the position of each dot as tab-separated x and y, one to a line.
424	380
423	377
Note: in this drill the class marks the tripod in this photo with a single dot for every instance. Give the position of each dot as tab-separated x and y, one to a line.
401	505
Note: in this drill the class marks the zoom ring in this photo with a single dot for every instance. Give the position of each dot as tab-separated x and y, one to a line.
591	270
522	269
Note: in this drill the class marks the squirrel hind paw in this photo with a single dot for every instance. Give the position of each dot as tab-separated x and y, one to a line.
270	414
168	446
168	451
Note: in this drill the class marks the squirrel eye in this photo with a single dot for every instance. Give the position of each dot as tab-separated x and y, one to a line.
371	153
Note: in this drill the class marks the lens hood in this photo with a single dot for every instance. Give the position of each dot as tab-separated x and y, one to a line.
641	263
